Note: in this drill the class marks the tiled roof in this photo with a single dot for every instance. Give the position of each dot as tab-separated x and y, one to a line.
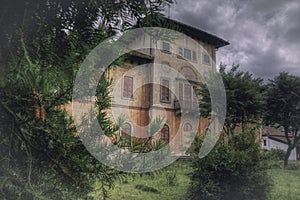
189	30
267	130
274	134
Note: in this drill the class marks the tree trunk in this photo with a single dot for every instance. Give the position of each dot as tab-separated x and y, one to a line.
287	155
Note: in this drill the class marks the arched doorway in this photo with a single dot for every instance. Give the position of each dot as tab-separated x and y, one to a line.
126	131
165	133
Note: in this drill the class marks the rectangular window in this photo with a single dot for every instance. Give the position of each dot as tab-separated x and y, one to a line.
128	87
166	47
206	59
265	142
188	98
187	54
165	91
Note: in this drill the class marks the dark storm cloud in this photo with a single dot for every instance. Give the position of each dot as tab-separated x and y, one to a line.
264	34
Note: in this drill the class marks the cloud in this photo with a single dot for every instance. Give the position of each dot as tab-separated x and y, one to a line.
264	34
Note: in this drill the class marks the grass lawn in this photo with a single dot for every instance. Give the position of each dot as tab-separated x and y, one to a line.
147	187
286	182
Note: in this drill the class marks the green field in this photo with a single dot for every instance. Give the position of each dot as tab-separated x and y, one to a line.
162	190
286	184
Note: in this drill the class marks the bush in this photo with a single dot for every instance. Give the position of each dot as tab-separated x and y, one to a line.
234	170
277	154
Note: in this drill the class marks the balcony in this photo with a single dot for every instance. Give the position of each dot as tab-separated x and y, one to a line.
184	107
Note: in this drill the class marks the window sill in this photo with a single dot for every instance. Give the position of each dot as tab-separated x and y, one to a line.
165	51
164	101
128	98
208	64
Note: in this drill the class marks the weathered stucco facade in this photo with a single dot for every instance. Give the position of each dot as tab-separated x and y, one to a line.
161	82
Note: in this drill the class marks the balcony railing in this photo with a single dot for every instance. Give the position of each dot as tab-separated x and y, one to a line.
186	107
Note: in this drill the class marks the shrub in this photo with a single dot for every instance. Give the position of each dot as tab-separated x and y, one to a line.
277	154
234	170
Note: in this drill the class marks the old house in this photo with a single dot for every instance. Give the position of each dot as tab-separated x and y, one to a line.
273	138
160	82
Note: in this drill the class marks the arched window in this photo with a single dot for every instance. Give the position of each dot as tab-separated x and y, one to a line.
186	131
187	127
126	131
165	134
188	73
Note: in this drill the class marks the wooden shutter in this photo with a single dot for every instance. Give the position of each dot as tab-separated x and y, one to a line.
128	87
187	95
195	98
180	52
180	92
165	92
194	56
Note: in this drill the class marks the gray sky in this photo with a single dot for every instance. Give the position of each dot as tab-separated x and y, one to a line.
264	35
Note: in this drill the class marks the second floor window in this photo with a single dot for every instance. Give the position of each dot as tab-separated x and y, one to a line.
187	54
187	97
206	59
166	47
165	91
128	87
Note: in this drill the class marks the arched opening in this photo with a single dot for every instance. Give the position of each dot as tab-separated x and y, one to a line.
188	73
186	132
165	133
126	134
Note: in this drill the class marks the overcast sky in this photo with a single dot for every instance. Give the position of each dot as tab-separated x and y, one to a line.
264	35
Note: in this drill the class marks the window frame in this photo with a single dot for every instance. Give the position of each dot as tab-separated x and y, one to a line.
183	132
123	87
167	50
169	133
161	90
130	135
265	142
203	59
182	54
185	51
182	86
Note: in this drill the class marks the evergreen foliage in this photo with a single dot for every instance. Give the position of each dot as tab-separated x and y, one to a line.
42	46
231	171
283	108
245	99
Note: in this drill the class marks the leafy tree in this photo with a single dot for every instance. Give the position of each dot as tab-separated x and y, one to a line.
54	29
283	108
245	97
233	170
42	46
